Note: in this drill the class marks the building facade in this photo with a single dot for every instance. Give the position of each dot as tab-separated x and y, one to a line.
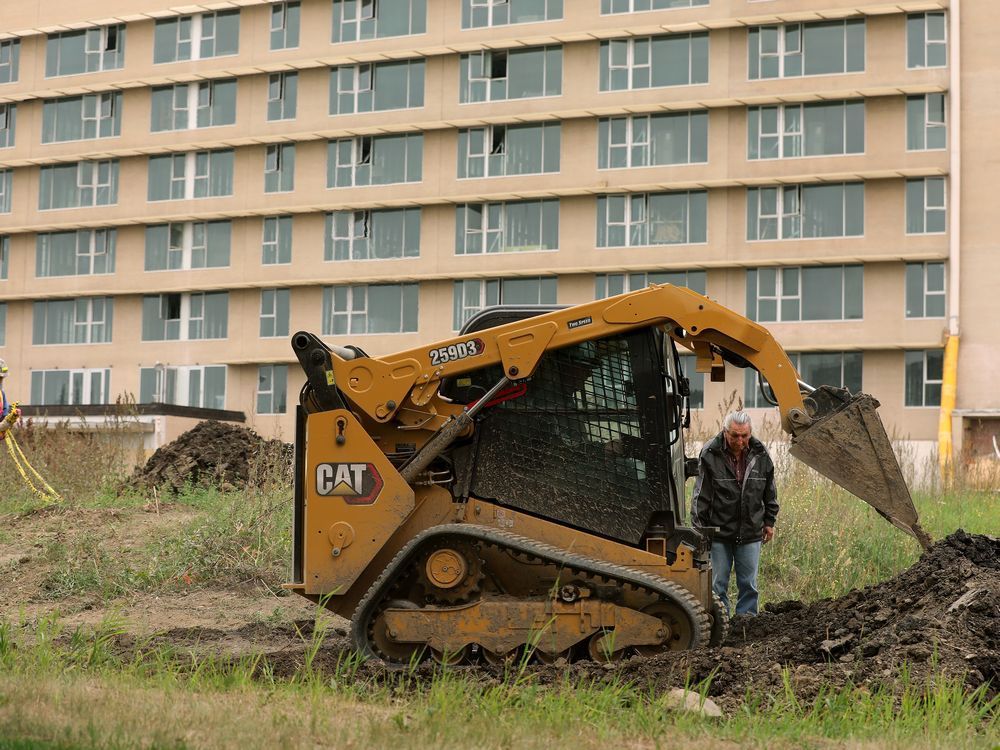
183	187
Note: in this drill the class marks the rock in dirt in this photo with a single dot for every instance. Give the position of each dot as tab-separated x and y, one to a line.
689	701
214	454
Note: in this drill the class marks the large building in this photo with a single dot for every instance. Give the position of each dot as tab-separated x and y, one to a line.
182	187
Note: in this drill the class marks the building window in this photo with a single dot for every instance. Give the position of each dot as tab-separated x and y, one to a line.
87	252
806	211
924	369
478	14
641	219
925	122
369	308
372	234
696	381
187	245
282	95
810	49
185	106
638	6
76	118
925	290
78	184
8	119
277	242
279	168
805	293
86	320
499	150
839	369
70	387
813	129
376	87
926	206
200	174
10	50
185	317
272	389
5	256
197	36
652	140
274	312
199	386
655	61
285	25
6	188
380	160
500	74
611	284
86	51
514	226
358	20
472	295
926	40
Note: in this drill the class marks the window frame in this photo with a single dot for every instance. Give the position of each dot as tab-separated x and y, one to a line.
275	392
925	381
795	214
281	11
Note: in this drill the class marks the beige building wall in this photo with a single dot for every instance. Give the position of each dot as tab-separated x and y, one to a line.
882	334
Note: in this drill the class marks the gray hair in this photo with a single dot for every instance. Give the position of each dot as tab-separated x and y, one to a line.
737	417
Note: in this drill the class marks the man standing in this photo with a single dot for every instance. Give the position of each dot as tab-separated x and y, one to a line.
735	493
6	419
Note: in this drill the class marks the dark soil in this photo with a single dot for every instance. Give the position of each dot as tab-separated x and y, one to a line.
213	454
941	616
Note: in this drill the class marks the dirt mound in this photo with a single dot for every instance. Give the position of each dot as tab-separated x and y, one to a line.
213	454
941	614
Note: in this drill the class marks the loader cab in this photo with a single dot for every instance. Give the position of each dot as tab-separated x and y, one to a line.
593	439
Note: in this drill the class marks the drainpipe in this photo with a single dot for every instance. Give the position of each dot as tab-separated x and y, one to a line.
949	377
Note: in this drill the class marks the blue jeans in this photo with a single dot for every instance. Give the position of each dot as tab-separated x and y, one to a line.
746	558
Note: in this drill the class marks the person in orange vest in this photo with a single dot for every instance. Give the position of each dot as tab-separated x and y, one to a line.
10	413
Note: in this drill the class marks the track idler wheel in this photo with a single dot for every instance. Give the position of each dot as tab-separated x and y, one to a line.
681	632
390	650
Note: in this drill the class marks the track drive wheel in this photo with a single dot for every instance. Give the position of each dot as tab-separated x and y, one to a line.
450	573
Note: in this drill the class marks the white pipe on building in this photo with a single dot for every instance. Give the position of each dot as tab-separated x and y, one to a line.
955	165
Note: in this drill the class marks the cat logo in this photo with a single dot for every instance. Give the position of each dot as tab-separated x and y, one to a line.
358	484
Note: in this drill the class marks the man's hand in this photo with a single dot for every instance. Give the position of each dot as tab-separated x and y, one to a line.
768	534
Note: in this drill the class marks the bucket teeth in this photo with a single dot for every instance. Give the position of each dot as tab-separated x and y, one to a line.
848	444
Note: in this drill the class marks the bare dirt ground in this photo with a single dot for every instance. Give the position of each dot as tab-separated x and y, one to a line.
942	615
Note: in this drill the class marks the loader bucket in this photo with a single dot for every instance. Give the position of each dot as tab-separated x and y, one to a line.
847	443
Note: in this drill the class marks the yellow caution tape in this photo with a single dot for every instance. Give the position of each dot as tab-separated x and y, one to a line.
49	495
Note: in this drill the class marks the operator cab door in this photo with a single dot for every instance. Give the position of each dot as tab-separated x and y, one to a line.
585	441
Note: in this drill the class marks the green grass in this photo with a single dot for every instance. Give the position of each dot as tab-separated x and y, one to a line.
84	693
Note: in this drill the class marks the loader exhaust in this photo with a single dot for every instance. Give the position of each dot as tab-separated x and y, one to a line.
847	443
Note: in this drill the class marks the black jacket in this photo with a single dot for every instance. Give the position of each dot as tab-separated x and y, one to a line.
740	513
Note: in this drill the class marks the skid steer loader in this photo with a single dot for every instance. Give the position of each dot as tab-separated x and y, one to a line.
520	487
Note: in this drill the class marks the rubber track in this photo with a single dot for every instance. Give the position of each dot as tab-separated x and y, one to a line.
724	615
368	606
